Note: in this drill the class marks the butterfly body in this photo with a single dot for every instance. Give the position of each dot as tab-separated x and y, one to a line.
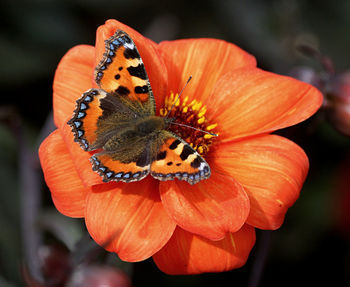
118	123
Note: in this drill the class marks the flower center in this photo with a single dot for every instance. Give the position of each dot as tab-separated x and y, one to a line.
191	114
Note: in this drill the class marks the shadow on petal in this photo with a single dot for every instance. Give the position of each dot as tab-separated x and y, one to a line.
272	170
133	214
209	208
186	253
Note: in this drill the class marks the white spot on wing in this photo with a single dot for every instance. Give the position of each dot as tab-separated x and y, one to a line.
130	46
202	166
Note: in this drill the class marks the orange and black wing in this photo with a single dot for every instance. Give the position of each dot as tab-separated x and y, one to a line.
177	159
112	167
121	72
85	118
97	117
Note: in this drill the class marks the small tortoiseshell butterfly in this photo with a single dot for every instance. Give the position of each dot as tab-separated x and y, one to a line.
118	121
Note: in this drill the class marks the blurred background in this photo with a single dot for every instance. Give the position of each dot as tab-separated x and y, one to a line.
309	40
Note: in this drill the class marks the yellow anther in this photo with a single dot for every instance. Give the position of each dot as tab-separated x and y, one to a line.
170	100
192	103
201	120
208	136
193	115
166	101
213	126
202	112
197	106
185	101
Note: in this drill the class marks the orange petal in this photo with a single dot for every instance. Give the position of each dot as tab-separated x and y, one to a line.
81	158
205	59
210	208
67	190
252	101
131	216
148	50
271	169
74	76
186	253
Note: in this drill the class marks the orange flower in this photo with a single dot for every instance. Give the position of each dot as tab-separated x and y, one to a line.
256	176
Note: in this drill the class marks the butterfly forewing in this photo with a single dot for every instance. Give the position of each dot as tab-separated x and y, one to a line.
122	72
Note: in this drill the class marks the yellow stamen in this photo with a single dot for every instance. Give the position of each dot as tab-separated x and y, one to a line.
208	136
191	114
200	149
202	112
196	106
201	120
170	99
213	126
192	103
184	101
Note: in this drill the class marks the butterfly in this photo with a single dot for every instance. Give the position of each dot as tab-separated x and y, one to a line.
118	122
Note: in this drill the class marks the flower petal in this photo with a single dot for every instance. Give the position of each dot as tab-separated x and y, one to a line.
81	158
210	208
131	216
67	190
205	59
74	76
186	253
272	170
252	101
148	50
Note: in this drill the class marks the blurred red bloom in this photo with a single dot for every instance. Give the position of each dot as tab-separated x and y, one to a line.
256	176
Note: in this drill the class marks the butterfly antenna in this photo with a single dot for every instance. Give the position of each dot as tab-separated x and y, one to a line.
178	96
183	125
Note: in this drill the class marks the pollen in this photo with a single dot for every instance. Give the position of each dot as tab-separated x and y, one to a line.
193	115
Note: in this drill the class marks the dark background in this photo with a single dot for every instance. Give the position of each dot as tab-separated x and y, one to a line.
312	247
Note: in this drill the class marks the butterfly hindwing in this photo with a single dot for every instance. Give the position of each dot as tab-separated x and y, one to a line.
177	159
121	72
114	170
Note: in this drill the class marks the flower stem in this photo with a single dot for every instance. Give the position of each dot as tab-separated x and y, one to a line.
30	194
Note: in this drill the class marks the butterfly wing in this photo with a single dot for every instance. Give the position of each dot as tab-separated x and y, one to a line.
85	118
101	121
99	116
121	72
177	159
114	170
